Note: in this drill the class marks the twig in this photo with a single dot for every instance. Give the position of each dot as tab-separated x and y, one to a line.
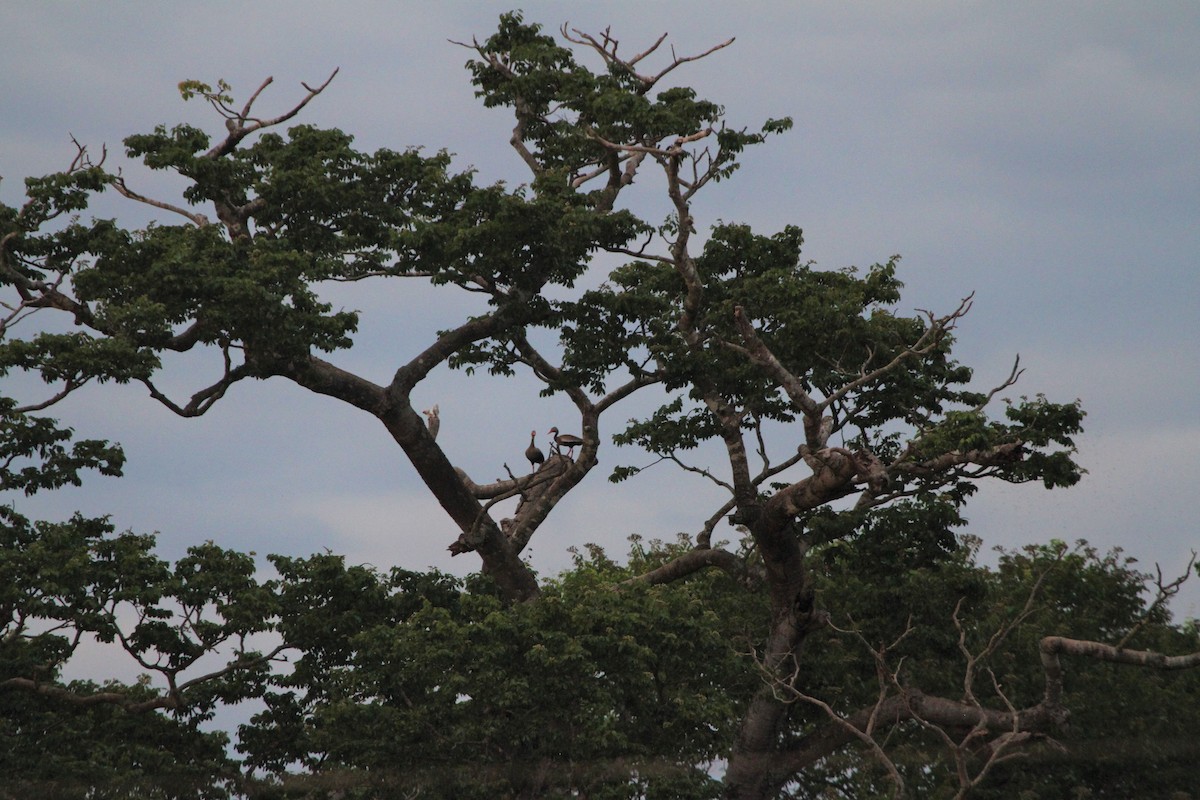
1165	592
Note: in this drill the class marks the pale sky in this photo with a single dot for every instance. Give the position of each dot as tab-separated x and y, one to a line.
1044	156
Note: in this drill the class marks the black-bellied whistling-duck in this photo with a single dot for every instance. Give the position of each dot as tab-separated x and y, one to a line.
565	440
532	452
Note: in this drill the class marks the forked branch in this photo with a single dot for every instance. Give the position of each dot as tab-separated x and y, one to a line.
606	46
1165	591
928	341
236	123
203	400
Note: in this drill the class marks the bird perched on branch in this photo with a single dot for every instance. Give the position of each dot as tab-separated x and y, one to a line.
434	422
566	440
532	452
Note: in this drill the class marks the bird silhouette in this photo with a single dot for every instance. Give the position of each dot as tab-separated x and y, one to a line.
532	452
566	440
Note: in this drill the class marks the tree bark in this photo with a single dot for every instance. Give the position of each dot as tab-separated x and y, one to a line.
409	430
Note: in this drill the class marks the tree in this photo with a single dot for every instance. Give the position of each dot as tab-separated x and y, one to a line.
418	682
848	432
67	583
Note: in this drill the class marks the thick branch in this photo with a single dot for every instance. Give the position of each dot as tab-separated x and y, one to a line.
411	432
832	478
121	699
1008	453
450	342
1053	646
794	387
691	562
537	507
513	486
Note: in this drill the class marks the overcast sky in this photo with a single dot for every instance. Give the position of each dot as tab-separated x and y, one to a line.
1044	156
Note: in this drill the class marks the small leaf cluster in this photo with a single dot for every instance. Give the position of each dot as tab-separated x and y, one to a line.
77	577
568	112
47	198
34	456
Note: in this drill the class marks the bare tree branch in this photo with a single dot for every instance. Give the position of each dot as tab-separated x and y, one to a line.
928	341
118	183
68	387
691	562
1165	591
203	400
1053	646
239	130
608	51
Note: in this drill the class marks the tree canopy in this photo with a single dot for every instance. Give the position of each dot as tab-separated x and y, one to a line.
824	631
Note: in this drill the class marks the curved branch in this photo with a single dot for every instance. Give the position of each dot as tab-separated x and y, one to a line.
203	400
1013	376
118	183
517	140
624	390
522	109
69	387
704	539
691	562
186	339
1052	647
551	374
698	471
449	343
